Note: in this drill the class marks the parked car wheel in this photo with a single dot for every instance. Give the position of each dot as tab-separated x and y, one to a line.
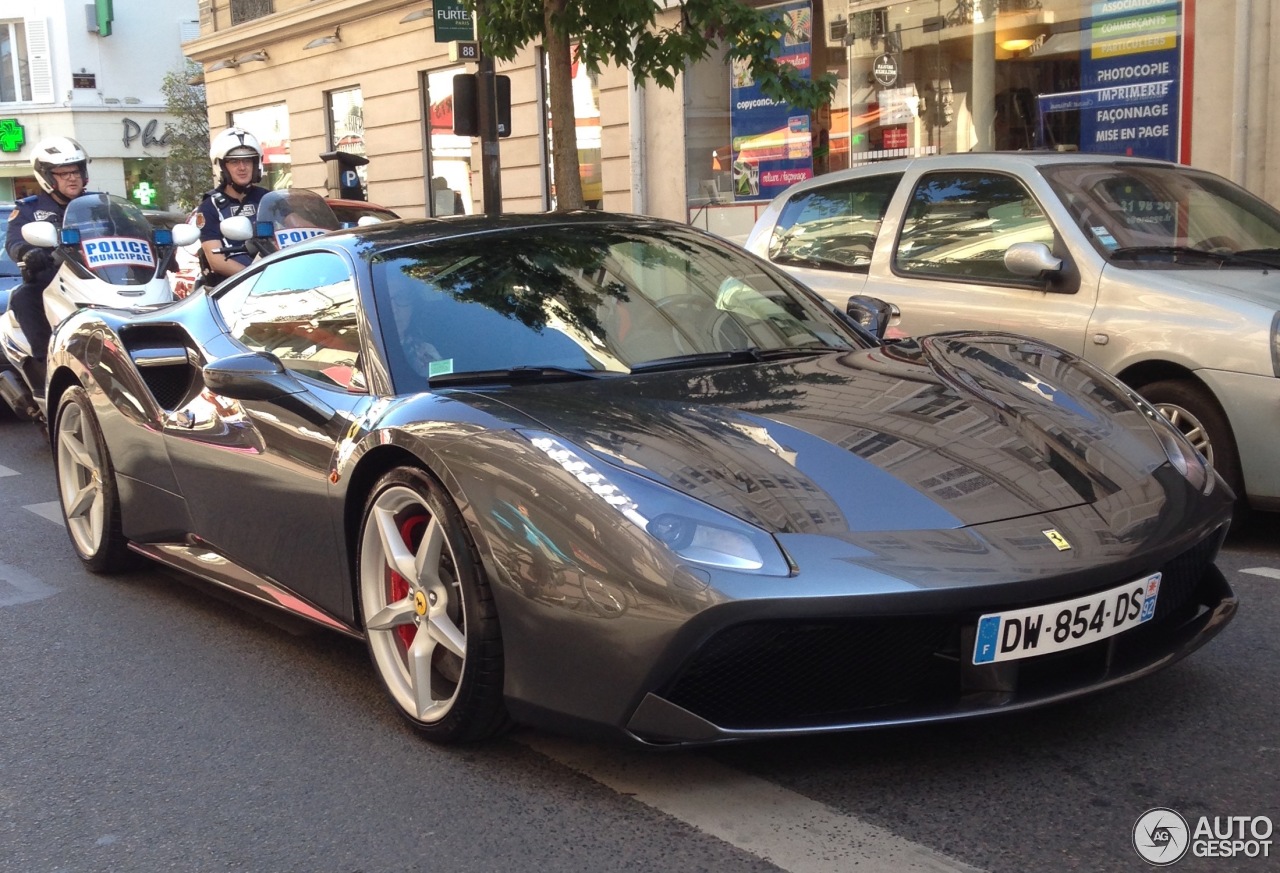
1201	420
87	486
429	617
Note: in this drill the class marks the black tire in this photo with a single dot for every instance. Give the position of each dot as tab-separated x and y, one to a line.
86	482
1195	412
423	595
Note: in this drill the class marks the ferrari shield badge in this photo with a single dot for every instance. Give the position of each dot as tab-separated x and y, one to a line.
1057	539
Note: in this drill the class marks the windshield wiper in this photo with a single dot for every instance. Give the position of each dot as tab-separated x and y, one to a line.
1174	251
513	375
819	263
1261	257
751	355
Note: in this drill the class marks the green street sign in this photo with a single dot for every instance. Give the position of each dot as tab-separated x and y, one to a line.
452	21
12	135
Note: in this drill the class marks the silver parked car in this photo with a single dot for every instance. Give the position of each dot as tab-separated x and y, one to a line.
1164	275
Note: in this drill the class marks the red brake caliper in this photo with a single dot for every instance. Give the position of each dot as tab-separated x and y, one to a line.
411	530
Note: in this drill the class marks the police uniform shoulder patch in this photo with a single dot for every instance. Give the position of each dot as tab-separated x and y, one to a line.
13	214
199	219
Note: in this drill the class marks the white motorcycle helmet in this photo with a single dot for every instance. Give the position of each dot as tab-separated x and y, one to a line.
234	142
58	151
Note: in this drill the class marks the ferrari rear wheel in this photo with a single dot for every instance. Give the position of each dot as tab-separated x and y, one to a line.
429	616
87	486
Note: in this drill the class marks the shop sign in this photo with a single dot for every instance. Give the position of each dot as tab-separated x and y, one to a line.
772	142
13	136
1130	76
885	70
452	21
896	138
134	131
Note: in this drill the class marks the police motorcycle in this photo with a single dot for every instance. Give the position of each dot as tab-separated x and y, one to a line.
107	255
284	218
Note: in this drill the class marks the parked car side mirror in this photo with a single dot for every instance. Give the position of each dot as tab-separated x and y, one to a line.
872	313
41	234
1031	259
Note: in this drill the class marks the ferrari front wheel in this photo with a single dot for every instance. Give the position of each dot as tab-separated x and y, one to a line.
429	616
87	486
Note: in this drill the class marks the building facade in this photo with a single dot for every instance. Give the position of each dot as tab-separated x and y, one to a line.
92	71
1185	80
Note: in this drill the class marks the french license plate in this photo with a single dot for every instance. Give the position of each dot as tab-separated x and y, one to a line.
1039	630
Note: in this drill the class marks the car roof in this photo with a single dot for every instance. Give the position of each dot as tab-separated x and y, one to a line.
968	160
407	231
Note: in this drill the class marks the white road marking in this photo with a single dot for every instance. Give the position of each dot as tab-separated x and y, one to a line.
51	510
1269	572
18	586
7	471
788	829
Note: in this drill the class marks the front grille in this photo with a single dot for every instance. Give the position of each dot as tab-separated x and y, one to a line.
792	673
754	674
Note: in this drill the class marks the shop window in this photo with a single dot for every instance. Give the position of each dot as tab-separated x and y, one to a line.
144	182
959	225
448	155
270	124
586	126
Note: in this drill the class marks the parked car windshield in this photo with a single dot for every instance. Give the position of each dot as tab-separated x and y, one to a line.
1143	215
594	299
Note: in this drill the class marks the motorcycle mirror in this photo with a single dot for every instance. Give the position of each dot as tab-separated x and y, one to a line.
41	234
185	234
237	227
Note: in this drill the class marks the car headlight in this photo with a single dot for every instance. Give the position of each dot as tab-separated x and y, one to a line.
1178	449
696	532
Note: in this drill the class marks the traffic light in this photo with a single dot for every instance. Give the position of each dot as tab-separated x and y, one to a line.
465	112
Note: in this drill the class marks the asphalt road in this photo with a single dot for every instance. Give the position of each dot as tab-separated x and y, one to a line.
150	723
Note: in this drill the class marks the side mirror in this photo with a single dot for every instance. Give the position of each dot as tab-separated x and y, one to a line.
261	376
1031	259
237	227
41	234
185	234
872	313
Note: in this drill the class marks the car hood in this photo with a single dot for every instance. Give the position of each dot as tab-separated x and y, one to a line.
1259	286
944	432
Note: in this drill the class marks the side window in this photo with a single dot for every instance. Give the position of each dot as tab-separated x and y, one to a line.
835	226
959	225
303	311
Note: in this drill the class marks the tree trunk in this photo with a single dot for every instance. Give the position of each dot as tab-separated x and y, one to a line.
564	125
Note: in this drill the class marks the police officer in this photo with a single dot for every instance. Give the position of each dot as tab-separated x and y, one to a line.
61	167
236	157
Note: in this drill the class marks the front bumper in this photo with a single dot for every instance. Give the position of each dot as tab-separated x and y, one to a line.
777	677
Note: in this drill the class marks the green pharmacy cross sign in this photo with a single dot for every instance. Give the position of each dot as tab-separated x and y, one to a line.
12	135
144	193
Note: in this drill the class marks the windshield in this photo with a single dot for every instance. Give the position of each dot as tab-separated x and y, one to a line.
114	238
1143	215
599	299
294	215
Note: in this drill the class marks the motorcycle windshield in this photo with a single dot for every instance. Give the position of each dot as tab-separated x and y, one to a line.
295	215
114	238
